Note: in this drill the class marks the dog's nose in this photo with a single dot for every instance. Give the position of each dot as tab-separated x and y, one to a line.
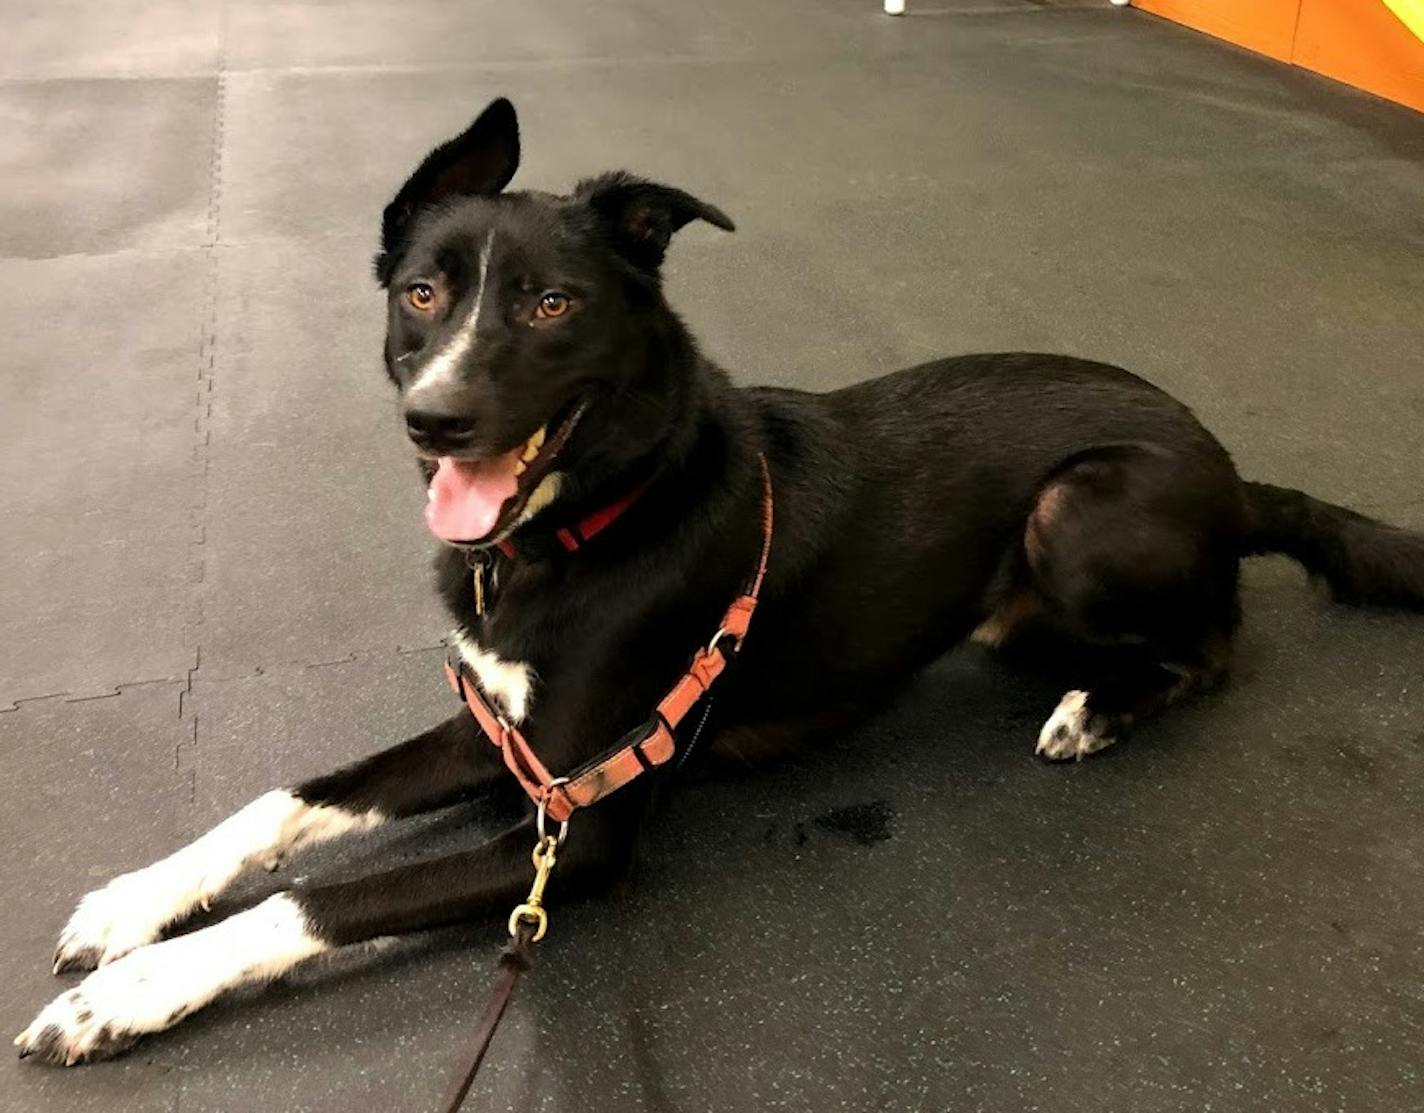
432	429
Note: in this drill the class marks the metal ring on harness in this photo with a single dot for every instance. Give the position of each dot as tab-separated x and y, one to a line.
543	806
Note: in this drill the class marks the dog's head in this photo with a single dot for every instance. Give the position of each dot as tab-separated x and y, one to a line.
521	325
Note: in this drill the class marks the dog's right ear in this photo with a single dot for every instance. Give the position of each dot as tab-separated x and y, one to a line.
479	161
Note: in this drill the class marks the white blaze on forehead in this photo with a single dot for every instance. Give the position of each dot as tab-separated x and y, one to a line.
445	362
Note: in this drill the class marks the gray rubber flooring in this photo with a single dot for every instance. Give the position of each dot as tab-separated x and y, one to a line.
214	564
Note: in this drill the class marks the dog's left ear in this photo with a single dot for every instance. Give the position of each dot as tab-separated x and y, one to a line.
479	161
642	216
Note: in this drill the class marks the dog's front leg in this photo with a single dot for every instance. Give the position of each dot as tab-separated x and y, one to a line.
156	986
427	771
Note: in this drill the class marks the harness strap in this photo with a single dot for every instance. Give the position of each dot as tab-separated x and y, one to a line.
651	745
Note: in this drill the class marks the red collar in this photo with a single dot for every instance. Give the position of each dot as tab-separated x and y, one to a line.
585	529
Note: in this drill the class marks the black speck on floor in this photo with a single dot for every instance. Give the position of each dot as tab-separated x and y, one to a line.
867	824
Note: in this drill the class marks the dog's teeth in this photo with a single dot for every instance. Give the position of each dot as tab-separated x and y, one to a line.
519	466
532	446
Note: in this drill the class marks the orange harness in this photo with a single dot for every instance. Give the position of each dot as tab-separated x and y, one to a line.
653	743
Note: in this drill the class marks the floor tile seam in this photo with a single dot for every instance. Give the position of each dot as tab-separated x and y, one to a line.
288	666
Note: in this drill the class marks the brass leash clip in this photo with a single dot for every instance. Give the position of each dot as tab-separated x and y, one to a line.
532	910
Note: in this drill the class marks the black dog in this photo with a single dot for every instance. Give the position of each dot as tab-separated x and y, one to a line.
600	485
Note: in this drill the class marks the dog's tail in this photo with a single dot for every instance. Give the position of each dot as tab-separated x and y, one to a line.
1364	562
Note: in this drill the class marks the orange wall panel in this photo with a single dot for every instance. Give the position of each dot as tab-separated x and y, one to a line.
1363	43
1265	26
1360	42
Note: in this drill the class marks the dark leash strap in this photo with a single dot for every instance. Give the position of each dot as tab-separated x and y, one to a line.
514	962
527	924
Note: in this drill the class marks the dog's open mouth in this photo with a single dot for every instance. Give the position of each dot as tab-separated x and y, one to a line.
472	502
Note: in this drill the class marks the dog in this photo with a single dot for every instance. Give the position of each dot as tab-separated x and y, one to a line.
603	494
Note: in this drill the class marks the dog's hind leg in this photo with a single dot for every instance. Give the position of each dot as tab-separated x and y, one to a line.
1090	719
428	771
158	985
1134	556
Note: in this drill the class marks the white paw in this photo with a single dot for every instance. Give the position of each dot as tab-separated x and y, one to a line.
104	1014
129	912
133	910
1067	734
155	987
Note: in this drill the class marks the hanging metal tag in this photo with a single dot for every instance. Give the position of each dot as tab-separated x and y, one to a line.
478	562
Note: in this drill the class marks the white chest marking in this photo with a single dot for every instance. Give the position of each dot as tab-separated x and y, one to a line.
506	682
446	362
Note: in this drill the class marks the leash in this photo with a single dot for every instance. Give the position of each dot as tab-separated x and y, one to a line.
513	962
652	744
527	925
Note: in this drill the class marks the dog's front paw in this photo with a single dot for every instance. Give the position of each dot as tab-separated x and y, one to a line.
155	987
86	1023
1072	731
129	912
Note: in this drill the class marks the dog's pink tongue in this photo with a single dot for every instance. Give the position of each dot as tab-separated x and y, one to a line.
465	496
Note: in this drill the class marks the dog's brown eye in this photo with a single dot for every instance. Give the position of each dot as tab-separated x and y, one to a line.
421	295
552	305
